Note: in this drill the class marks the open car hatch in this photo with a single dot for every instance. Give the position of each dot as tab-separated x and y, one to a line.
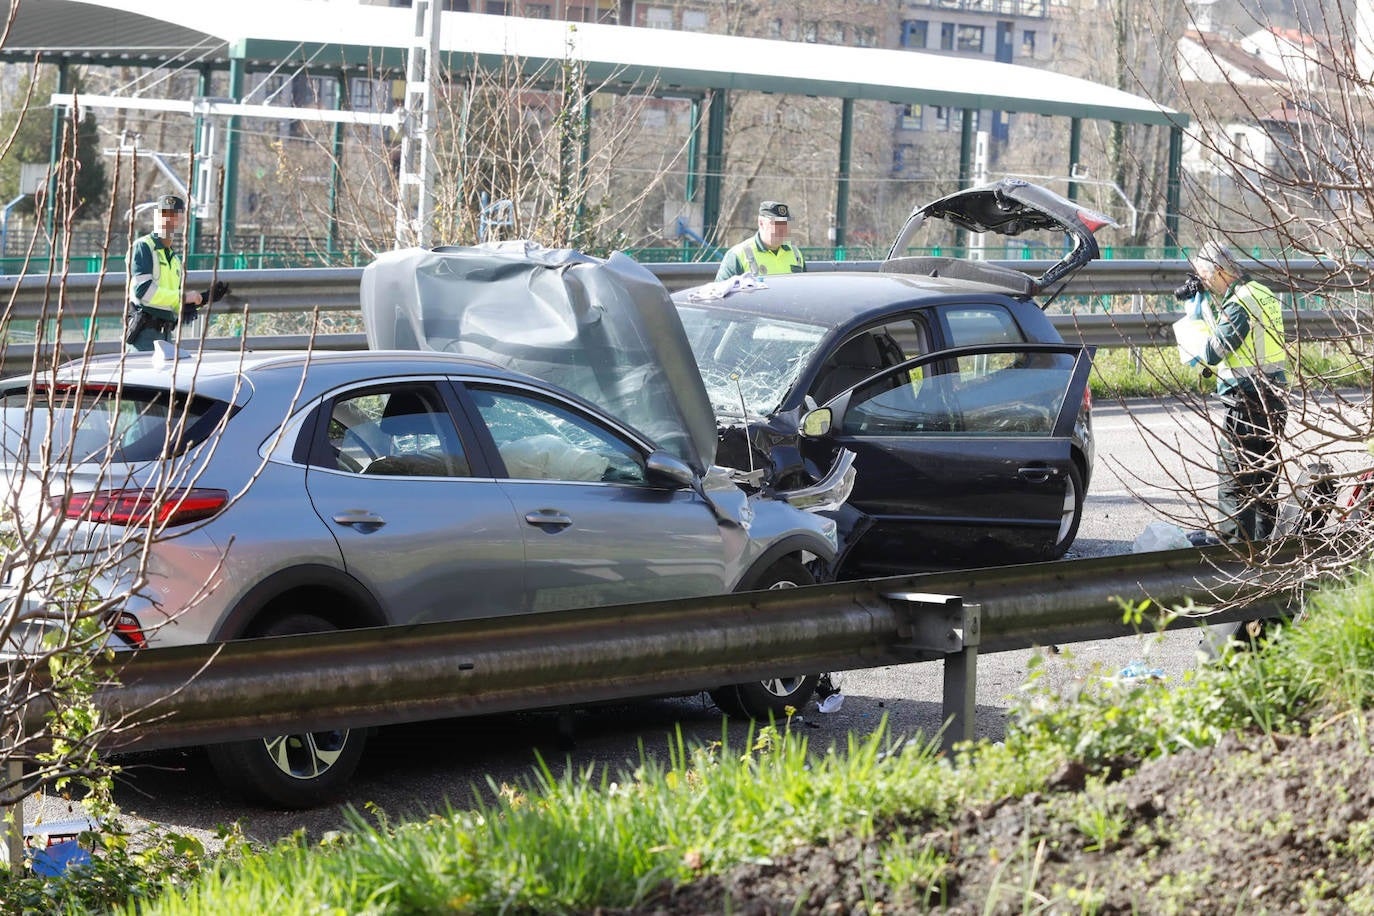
1011	206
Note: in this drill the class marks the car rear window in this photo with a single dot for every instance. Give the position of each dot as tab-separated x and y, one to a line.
970	326
83	424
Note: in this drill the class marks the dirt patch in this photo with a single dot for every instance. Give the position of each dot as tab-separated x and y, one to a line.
1253	825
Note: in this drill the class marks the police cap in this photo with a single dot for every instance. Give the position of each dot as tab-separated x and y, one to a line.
171	202
774	210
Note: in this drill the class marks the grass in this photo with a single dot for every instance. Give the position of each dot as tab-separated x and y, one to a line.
557	844
1156	371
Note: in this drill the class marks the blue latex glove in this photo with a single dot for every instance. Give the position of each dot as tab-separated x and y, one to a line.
1194	307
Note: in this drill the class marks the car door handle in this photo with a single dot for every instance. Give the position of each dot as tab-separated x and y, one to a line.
360	519
551	518
1035	474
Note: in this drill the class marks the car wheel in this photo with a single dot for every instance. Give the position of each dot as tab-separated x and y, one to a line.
1070	515
771	698
291	771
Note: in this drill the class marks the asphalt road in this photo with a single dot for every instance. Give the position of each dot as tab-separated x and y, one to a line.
1146	455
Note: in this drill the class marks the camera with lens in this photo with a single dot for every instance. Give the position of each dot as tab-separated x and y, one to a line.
1189	288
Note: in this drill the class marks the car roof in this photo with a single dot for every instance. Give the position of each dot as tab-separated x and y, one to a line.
836	298
218	373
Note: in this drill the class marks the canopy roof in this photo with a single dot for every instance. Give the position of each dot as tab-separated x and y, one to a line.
328	34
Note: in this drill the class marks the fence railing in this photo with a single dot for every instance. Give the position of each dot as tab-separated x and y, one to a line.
83	313
264	252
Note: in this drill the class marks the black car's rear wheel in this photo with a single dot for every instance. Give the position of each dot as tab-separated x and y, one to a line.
1071	514
291	771
771	698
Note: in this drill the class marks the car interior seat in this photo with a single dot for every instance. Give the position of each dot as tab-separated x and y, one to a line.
852	362
407	416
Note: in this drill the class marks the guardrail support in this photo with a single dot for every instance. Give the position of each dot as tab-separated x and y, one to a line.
942	626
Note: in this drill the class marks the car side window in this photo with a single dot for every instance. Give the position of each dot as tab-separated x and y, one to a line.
868	352
541	440
993	394
972	325
394	431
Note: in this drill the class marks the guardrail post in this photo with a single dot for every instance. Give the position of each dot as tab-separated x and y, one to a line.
942	626
961	680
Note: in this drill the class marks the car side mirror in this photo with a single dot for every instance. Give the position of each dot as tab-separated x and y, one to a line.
666	469
817	423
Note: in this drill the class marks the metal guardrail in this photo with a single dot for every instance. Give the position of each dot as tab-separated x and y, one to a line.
88	298
258	687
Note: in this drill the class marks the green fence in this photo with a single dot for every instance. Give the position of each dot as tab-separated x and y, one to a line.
255	257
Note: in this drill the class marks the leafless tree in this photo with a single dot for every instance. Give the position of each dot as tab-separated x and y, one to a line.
1279	166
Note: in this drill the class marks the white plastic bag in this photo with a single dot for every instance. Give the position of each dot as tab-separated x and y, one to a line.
1160	536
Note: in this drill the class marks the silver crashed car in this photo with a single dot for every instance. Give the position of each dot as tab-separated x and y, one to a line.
297	492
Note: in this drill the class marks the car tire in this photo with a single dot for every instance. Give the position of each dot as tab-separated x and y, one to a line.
1071	515
770	699
291	771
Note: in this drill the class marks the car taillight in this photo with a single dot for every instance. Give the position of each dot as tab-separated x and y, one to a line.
1087	398
158	508
126	628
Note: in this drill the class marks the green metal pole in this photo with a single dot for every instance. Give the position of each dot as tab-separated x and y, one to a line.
584	163
335	173
229	203
1075	150
1173	192
715	165
965	166
693	149
842	185
59	116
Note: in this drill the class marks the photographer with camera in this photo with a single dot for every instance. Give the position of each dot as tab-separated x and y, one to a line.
158	301
1245	348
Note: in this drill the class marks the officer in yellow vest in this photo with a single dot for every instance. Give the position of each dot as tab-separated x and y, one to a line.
1246	350
767	252
157	298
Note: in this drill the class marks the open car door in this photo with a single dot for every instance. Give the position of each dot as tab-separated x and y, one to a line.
967	456
1006	207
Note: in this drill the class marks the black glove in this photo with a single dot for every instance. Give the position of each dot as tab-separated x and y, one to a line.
214	293
189	312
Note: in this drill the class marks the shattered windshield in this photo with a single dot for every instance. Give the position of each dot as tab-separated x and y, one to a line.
749	360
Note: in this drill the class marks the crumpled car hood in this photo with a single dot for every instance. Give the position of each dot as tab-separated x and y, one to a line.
604	329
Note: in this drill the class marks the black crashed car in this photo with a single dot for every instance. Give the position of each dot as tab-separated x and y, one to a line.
969	415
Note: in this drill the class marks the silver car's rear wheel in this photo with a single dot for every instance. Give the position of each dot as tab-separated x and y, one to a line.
291	771
771	698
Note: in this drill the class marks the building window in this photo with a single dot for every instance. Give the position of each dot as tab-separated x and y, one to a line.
942	117
946	36
775	28
360	94
658	17
496	7
902	154
910	118
694	20
969	38
836	33
1028	43
811	31
865	36
914	33
538	11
